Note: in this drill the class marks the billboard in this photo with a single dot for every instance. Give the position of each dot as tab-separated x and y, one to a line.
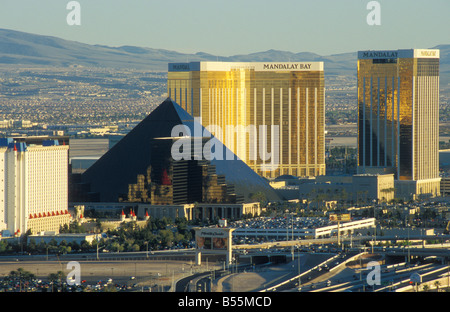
340	217
212	239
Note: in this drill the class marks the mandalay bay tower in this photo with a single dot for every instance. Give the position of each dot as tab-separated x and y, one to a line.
398	118
271	115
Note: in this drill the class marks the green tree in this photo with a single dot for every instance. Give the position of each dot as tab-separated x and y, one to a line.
182	225
32	246
166	237
86	246
259	197
4	246
41	247
75	246
64	249
116	246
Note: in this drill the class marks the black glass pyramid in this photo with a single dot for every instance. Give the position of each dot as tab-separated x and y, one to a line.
112	174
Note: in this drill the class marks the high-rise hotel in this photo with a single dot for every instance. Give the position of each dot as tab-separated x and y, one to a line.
33	185
398	118
271	115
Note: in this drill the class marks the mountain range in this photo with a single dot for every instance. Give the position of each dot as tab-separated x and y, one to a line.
20	48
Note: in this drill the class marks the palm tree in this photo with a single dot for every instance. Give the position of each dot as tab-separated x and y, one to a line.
22	276
437	284
56	278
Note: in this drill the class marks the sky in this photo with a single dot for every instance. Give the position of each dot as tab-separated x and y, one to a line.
232	27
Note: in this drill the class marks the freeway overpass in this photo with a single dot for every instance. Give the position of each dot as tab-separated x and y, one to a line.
334	239
281	244
423	253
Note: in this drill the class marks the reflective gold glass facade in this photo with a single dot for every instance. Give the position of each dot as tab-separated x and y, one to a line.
239	99
398	113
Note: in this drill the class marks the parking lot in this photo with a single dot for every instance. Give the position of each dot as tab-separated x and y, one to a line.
121	275
284	224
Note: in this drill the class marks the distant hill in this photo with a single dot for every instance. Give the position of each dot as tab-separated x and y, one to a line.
30	49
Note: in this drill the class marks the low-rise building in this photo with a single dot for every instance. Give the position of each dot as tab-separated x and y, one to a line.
368	187
359	188
78	238
198	211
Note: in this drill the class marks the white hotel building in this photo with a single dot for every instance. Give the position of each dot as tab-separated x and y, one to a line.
33	186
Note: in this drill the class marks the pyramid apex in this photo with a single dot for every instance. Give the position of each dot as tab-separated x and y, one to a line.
111	175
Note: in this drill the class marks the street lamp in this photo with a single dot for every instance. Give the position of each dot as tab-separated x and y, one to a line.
408	248
299	277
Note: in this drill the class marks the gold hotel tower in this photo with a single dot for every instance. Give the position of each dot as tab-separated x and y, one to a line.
250	98
398	118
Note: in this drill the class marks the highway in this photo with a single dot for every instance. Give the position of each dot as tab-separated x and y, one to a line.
327	273
91	256
310	275
390	279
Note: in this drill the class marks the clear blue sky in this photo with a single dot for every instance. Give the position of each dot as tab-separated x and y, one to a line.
230	27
